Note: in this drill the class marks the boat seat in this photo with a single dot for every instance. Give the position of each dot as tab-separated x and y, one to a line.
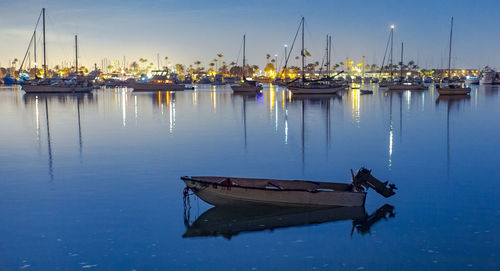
271	185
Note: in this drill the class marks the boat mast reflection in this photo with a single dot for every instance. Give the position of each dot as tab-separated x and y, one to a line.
450	101
29	99
49	146
230	221
79	127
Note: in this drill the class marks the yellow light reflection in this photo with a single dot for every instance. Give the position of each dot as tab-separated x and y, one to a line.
355	105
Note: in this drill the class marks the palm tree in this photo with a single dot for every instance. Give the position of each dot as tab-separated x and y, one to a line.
134	66
220	56
215	62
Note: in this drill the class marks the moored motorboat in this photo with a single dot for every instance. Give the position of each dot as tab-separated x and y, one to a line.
158	82
234	191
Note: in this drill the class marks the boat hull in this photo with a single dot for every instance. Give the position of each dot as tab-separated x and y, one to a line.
246	88
302	90
55	89
231	195
453	91
406	87
157	87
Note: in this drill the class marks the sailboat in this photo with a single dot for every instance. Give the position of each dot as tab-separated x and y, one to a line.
55	85
451	89
401	85
305	86
245	85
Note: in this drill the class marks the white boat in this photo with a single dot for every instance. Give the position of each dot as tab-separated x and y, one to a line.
471	80
488	77
234	191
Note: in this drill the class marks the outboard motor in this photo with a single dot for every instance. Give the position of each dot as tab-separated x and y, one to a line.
364	178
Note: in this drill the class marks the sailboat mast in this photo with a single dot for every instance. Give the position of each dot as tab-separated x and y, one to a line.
286	59
327	59
243	68
401	61
329	54
44	49
34	51
303	53
392	43
449	53
76	54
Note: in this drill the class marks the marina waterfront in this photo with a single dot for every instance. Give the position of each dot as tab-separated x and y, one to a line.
92	181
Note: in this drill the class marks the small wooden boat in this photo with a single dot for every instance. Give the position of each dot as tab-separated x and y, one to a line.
231	191
366	91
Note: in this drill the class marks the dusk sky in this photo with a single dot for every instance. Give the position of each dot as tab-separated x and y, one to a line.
187	31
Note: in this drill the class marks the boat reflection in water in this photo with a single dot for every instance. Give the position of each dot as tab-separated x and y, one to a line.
229	222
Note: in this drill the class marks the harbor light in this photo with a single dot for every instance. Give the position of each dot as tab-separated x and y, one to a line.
392	26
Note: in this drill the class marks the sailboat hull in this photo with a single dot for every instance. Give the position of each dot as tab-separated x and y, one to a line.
148	86
406	87
240	88
314	90
453	91
55	89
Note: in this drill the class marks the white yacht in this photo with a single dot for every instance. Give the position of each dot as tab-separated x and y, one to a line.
471	80
488	77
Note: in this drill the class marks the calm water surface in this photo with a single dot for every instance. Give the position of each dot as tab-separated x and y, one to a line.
92	182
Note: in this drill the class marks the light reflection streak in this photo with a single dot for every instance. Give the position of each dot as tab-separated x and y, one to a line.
124	109
276	116
391	133
423	101
37	114
171	112
135	107
355	105
408	98
286	126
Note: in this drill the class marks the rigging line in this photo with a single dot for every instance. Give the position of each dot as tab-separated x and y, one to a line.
239	53
58	39
310	37
385	54
291	47
31	41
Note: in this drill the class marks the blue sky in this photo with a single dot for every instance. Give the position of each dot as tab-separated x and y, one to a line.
187	31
